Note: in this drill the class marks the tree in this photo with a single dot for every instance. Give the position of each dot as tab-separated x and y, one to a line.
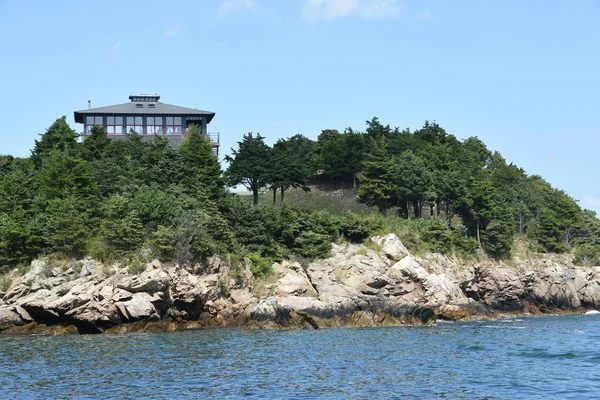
96	144
290	165
377	186
67	225
249	165
61	173
413	181
201	165
59	136
121	228
339	155
483	205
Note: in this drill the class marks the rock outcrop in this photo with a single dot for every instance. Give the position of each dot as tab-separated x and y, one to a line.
94	298
358	285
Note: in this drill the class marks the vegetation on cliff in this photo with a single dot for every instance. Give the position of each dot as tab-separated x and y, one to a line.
111	199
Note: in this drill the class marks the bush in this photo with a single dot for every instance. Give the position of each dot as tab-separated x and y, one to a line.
462	244
247	225
259	265
357	228
587	255
312	245
436	234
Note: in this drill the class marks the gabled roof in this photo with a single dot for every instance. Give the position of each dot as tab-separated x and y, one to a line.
142	108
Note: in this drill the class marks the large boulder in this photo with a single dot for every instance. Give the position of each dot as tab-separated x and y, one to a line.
496	286
415	283
154	280
391	246
13	316
590	294
140	306
293	280
554	285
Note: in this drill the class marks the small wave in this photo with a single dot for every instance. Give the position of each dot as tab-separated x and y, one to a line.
545	355
503	327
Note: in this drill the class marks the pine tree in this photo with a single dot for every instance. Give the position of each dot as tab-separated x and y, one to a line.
250	164
377	186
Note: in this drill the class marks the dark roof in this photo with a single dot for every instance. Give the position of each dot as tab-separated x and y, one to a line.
142	108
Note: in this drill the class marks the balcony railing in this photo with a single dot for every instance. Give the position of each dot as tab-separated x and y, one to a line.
214	137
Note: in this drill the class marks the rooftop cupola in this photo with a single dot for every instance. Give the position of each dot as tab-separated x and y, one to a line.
136	98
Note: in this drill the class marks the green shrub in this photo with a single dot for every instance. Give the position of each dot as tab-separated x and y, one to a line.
247	226
357	228
259	265
462	244
587	255
5	282
312	245
437	236
135	265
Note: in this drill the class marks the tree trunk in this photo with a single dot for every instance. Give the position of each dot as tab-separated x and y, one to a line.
520	224
437	207
416	208
448	217
274	195
282	194
478	238
431	210
407	209
255	196
354	181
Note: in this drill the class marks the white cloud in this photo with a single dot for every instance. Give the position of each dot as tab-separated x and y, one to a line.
425	14
173	31
591	203
330	9
227	7
116	50
317	10
380	8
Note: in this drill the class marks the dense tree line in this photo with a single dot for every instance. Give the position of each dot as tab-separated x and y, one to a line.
117	199
482	200
113	199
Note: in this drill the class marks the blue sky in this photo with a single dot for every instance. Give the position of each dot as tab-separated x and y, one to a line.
524	76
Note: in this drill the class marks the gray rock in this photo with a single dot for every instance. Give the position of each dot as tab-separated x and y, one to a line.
590	294
9	317
392	247
139	307
149	281
496	286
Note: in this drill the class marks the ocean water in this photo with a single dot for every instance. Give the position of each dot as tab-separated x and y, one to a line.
520	358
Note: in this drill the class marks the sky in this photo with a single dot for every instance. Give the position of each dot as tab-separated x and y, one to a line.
523	76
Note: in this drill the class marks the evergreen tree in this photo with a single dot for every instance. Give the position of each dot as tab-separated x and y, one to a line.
59	136
250	164
290	165
201	166
377	186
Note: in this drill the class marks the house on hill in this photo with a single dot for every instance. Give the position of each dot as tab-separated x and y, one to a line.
148	117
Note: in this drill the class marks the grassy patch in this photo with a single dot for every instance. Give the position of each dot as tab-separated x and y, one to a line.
336	203
6	281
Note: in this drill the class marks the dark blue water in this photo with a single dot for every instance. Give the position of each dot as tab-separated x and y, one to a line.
537	358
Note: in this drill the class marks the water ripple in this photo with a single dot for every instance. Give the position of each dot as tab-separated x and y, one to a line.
546	358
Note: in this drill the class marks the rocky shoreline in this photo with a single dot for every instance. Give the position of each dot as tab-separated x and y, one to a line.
377	285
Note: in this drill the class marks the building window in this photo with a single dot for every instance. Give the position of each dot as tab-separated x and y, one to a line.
154	125
135	124
174	126
114	125
91	121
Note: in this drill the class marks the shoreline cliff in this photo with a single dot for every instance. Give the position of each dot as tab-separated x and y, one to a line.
358	286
